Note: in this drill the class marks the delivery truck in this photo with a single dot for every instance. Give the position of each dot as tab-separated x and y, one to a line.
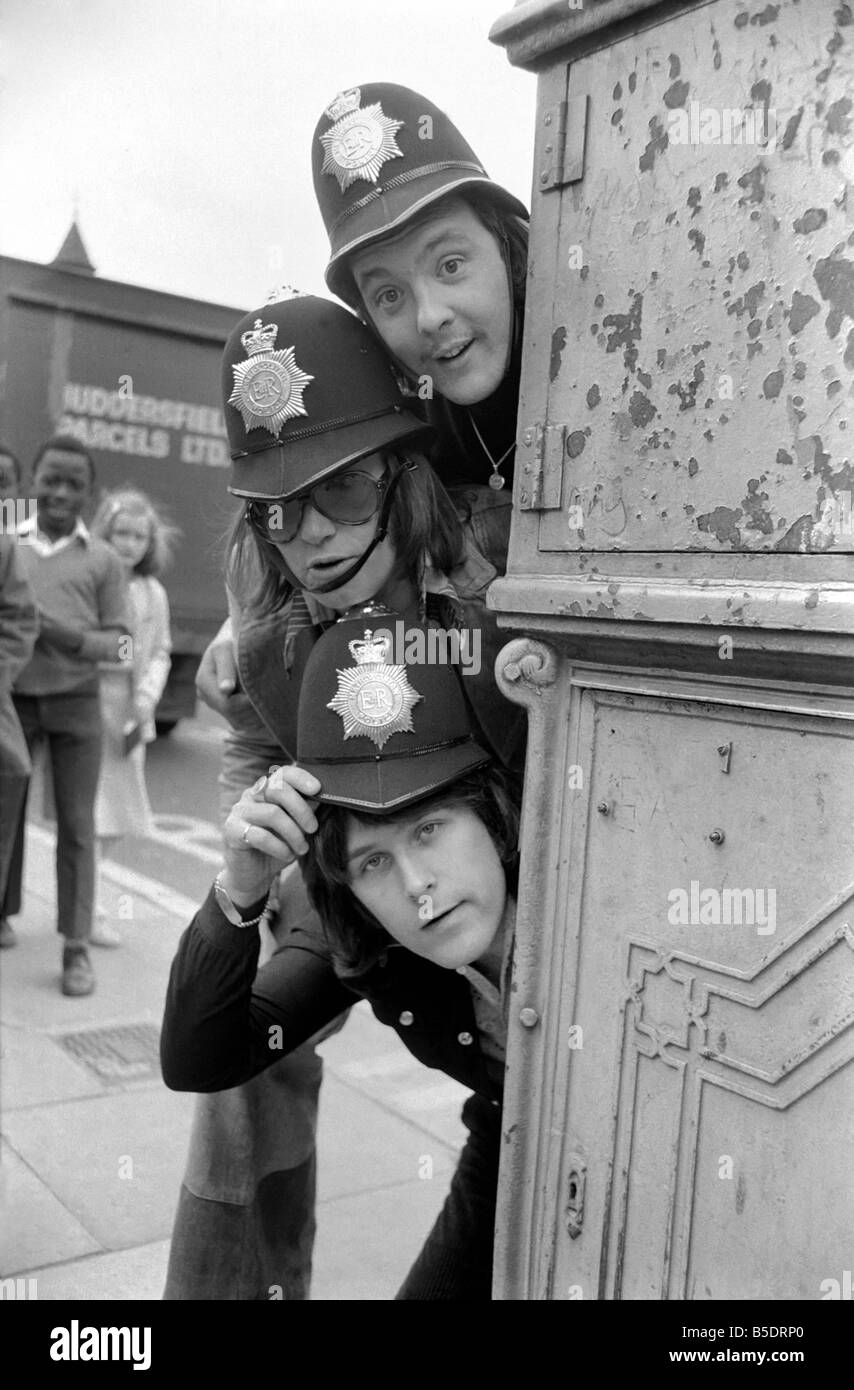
133	373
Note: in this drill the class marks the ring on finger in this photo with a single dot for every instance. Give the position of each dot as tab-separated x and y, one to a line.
244	834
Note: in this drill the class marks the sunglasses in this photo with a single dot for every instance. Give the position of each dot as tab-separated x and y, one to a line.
348	499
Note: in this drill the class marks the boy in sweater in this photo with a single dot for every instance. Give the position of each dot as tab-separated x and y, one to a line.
79	588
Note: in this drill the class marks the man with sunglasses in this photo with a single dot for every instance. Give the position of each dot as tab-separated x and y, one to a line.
349	499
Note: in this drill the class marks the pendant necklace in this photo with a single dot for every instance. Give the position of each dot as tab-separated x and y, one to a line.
497	481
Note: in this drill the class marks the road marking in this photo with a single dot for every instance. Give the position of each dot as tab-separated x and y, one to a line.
188	835
203	733
160	894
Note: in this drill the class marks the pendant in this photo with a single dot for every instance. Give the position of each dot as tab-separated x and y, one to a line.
496	482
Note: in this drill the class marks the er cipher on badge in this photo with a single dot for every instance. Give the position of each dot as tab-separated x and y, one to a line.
374	699
268	387
361	140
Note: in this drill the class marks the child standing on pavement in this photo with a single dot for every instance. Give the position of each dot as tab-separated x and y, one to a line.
130	690
18	629
80	594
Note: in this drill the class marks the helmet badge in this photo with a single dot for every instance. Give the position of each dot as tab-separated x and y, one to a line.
374	699
268	387
361	140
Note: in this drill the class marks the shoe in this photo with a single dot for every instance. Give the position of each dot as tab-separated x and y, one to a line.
78	976
8	935
103	934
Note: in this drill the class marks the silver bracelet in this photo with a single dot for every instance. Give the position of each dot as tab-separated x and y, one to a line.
229	909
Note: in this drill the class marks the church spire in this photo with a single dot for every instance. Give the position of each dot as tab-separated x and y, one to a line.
72	254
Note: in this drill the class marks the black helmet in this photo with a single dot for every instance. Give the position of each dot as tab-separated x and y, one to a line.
379	734
380	155
307	390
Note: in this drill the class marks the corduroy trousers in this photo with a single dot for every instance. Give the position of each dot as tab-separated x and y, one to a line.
70	724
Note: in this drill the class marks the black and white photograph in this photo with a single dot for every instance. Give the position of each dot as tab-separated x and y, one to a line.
426	664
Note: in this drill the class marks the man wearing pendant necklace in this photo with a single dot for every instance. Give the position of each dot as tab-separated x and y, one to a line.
431	253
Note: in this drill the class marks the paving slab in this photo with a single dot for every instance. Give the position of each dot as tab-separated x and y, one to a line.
114	1161
126	1275
362	1146
35	1070
389	1128
366	1243
35	1226
130	981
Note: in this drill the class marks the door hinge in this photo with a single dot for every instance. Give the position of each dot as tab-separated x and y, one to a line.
562	145
542	467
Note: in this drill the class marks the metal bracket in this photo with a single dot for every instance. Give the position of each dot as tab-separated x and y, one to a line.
562	160
542	467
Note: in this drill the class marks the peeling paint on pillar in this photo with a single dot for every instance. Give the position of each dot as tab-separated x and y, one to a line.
812	219
558	345
657	144
712	344
626	331
835	279
641	409
753	182
803	308
676	95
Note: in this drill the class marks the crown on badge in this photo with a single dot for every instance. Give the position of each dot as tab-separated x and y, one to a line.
370	650
344	103
259	339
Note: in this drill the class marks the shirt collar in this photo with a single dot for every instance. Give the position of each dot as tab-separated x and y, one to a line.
481	982
30	527
43	545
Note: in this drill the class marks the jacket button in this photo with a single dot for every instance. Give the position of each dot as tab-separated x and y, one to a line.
406	1018
465	1038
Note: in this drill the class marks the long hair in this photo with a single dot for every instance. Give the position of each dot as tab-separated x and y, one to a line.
162	536
510	232
354	934
422	519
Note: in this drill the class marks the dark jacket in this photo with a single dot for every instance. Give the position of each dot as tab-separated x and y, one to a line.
223	1023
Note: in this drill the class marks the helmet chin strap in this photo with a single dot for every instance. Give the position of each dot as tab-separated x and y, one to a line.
382	530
